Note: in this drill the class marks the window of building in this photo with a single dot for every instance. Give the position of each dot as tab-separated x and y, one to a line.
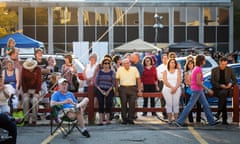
65	28
35	23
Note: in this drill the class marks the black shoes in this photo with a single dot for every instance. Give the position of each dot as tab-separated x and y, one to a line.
131	122
154	114
144	114
165	116
225	123
217	116
124	122
86	133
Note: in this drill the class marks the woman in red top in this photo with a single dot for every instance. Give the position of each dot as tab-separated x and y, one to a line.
149	81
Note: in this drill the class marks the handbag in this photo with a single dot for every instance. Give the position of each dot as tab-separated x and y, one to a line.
188	91
73	85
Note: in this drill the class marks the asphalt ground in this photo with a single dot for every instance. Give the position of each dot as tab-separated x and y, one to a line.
146	130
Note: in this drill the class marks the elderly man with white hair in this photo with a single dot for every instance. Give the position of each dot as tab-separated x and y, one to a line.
128	77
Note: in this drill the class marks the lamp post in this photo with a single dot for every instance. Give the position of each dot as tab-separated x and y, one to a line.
156	26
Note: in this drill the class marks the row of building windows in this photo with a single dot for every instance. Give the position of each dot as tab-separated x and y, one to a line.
189	16
95	23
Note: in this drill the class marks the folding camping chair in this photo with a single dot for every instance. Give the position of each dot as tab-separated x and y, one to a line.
63	123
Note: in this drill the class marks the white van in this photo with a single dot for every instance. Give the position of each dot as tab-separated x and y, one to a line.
59	61
210	63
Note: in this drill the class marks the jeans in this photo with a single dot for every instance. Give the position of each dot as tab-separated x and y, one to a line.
196	96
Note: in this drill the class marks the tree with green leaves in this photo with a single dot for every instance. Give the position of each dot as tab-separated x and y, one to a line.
8	21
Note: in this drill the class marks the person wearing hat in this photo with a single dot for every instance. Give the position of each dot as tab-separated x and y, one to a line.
70	104
31	85
104	83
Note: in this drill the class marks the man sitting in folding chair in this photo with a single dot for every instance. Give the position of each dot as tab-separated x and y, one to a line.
71	108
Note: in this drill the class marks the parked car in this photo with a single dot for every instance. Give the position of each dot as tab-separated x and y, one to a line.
207	82
210	63
59	61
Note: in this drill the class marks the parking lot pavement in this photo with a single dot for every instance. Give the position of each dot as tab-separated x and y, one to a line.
147	130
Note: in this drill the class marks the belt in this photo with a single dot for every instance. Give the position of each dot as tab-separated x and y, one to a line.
127	86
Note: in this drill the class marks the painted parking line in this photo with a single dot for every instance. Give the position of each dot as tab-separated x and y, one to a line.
197	135
51	137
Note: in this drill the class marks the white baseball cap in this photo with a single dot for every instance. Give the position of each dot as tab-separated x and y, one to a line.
61	80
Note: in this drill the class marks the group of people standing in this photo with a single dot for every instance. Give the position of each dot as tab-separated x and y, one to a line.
127	77
132	77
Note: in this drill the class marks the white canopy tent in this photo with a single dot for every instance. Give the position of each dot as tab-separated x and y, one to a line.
137	45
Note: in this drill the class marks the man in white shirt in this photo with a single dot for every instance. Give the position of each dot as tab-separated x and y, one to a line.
160	69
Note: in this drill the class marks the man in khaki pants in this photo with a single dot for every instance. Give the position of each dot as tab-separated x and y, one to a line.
128	78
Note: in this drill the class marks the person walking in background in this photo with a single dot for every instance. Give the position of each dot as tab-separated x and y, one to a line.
160	69
187	81
197	88
149	82
104	83
222	79
128	77
171	89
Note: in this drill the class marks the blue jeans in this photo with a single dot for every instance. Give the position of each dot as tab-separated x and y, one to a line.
196	95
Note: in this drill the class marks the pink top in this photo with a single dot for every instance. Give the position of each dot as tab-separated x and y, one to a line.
194	85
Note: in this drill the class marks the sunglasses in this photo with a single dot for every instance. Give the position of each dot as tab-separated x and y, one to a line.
106	63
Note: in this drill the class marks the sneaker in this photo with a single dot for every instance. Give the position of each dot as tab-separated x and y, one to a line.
178	124
217	116
86	133
170	123
216	123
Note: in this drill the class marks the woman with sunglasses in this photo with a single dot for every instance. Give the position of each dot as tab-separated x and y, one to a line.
104	83
149	81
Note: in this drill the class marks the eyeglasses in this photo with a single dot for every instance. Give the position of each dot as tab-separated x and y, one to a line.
106	63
